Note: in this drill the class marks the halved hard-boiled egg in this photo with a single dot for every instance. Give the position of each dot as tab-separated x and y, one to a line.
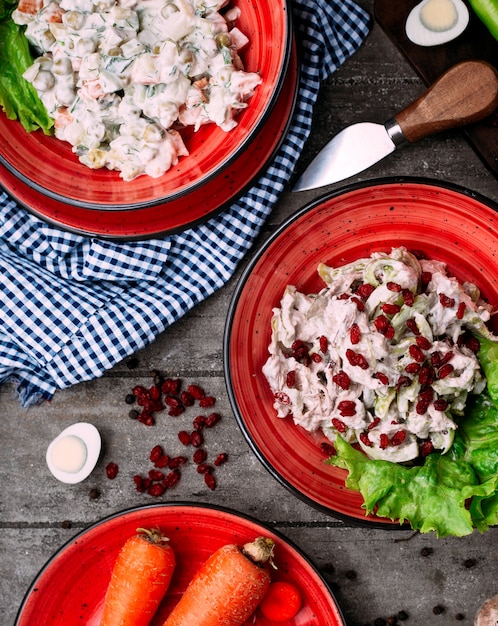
73	454
435	22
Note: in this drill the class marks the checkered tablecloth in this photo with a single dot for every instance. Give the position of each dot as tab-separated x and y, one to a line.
74	306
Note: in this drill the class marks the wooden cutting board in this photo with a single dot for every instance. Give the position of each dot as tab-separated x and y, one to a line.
429	63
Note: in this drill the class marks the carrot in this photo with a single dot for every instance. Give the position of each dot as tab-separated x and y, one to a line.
281	602
139	580
227	588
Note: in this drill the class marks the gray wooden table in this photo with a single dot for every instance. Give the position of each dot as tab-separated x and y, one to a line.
373	573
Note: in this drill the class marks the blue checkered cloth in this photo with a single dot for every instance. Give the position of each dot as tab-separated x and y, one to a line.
73	306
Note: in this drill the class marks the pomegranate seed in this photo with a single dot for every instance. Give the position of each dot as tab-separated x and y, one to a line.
426	448
156	490
398	438
186	398
139	486
446	358
199	456
281	397
365	440
155	392
416	353
425	375
196	439
390	309
356	359
112	470
146	483
440	404
339	425
210	481
383	441
146	418
184	437
156	453
343	296
171	387
364	291
156	475
175	411
172	401
342	380
327	448
425	278
412	368
316	358
324	343
290	379
374	423
199	422
427	395
436	357
214	418
393	286
473	344
139	390
423	342
347	408
196	391
419	254
207	401
355	334
403	381
445	370
297	344
382	377
177	461
162	461
381	324
461	310
408	297
359	304
204	468
446	301
421	407
361	362
220	459
172	478
411	324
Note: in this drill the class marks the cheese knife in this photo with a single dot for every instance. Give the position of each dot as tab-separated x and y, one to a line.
465	93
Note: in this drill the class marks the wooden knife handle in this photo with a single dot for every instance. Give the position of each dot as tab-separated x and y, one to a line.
466	93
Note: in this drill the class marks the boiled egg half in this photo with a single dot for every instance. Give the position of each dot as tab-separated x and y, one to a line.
73	454
435	22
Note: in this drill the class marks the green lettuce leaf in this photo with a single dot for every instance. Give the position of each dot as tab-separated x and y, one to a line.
18	98
488	357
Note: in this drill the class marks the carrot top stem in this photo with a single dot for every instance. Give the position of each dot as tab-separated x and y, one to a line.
154	535
259	551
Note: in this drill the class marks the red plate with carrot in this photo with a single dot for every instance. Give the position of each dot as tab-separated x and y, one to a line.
72	586
447	223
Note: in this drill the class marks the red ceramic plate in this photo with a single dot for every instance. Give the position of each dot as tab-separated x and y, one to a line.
445	222
70	588
49	165
178	214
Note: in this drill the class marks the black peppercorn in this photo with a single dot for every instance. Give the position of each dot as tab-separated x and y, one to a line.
426	551
438	609
402	616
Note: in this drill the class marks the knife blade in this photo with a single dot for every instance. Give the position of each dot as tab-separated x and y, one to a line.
466	93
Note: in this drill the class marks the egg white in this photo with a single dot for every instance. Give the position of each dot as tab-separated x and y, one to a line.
90	436
419	34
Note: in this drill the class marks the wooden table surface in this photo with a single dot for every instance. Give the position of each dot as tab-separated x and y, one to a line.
373	573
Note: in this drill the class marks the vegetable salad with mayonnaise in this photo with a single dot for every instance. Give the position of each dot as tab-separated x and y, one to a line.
384	355
120	78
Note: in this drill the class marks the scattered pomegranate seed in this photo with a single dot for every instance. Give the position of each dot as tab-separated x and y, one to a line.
426	375
364	291
423	342
220	459
212	419
436	357
184	437
427	394
411	324
290	379
187	399
382	377
207	401
445	370
413	368
138	480
199	422
355	334
356	359
403	381
398	438
390	309
156	490
408	297
416	353
461	310
440	404
421	407
112	470
210	481
342	380
171	479
426	448
177	461
327	448
204	468
172	401
199	456
393	286
196	439
156	475
175	411
156	453
347	408
162	461
316	358
446	301
339	425
196	391
324	343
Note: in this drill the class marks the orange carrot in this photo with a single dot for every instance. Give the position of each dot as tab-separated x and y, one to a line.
227	588
282	601
140	578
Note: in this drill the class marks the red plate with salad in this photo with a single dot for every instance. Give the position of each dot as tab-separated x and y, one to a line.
409	434
71	587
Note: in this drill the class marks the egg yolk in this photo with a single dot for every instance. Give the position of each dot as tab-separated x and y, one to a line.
439	15
69	454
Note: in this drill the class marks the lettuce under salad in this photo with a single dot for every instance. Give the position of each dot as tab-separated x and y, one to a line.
18	98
